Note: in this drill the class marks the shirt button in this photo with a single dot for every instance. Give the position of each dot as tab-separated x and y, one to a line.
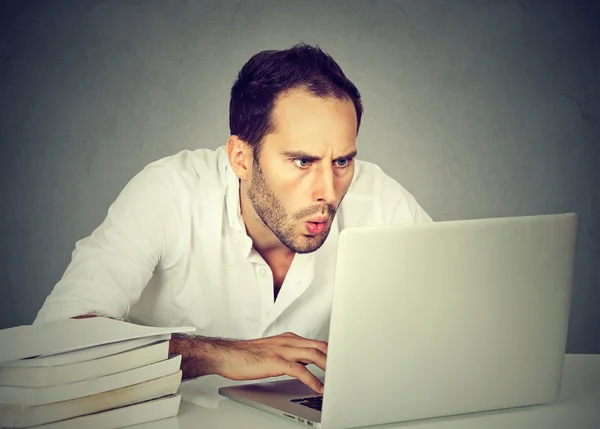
262	272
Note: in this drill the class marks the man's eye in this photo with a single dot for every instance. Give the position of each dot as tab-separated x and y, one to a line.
343	162
302	163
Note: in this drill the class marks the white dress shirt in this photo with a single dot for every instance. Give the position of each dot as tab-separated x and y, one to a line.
173	251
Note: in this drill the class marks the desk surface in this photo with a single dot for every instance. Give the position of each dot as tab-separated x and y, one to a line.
578	407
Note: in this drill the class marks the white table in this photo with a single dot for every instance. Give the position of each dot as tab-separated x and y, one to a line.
578	407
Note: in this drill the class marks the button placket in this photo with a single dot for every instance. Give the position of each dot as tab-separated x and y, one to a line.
264	278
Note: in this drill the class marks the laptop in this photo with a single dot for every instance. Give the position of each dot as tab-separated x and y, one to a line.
438	319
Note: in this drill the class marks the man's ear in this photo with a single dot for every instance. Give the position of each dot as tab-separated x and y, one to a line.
240	157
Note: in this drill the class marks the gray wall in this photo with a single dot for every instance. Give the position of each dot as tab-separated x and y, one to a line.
480	108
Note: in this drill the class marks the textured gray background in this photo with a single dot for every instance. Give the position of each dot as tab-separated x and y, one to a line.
479	108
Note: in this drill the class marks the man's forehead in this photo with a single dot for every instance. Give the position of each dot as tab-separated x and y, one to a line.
299	98
303	122
300	148
301	114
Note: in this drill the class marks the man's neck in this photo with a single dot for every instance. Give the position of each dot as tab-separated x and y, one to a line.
270	248
277	256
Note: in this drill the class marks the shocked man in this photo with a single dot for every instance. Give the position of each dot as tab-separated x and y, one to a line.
240	242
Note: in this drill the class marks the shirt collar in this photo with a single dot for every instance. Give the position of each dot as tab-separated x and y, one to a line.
232	199
234	212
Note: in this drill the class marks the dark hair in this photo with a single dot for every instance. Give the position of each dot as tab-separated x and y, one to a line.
271	73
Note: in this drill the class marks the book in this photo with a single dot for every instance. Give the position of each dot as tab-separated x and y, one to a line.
143	412
43	376
17	416
85	354
51	338
32	396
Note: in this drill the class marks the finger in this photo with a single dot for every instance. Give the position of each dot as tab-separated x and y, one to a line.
290	335
300	342
306	355
294	369
321	345
277	339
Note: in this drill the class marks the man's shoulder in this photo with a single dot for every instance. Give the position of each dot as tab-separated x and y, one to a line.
375	194
192	168
371	181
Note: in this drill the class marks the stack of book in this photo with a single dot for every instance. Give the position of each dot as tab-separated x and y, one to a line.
95	373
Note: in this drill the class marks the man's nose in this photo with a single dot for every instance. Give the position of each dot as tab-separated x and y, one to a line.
324	189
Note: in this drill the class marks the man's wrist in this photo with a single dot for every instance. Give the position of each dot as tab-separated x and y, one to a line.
200	355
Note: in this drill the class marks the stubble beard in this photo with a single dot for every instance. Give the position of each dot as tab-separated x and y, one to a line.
271	212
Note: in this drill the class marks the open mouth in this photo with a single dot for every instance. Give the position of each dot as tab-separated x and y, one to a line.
315	228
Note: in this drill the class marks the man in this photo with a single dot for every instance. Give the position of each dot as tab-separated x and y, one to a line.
240	242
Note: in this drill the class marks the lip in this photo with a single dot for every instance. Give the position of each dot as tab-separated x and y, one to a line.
315	228
320	219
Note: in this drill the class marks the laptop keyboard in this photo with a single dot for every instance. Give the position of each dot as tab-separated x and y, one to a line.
314	402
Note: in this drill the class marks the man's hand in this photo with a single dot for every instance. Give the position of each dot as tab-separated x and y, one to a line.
285	354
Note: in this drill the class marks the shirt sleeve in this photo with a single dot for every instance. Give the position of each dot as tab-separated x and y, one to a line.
110	268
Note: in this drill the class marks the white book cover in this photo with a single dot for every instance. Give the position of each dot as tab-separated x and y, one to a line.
44	339
86	354
43	376
17	416
31	396
144	412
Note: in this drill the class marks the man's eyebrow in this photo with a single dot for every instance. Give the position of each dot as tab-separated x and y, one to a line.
347	156
298	154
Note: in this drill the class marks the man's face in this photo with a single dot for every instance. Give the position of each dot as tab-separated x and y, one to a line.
304	168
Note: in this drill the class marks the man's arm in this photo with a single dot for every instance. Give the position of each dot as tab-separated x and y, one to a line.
111	267
285	354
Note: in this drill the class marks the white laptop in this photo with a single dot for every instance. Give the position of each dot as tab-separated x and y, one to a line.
438	319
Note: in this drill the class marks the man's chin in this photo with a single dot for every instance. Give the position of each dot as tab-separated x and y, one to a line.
310	243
